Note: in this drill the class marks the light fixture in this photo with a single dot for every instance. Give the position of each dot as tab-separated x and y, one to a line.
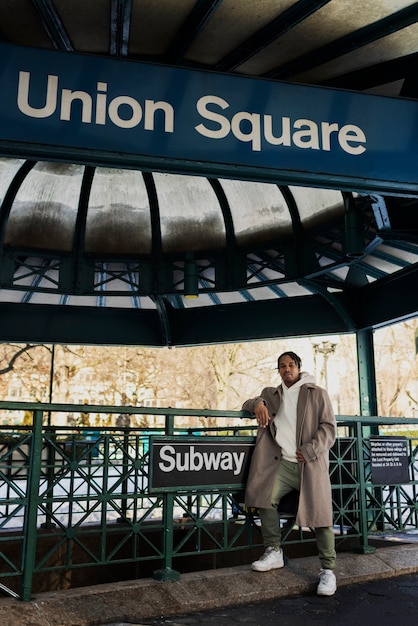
191	277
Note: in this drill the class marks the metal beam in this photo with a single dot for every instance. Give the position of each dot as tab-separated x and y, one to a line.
366	307
162	309
53	25
120	25
367	373
348	43
269	33
10	196
33	323
82	273
388	300
205	168
195	22
375	75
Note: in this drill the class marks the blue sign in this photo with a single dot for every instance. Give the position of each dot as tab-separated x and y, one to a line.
96	110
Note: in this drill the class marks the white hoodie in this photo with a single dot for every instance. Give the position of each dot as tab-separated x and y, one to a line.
285	420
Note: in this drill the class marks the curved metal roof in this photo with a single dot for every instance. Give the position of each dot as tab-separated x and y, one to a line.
107	255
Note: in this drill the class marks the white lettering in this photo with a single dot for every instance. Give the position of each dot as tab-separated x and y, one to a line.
239	460
126	112
253	128
101	103
132	114
308	137
165	456
254	136
113	111
149	117
285	137
68	97
182	465
349	134
212	460
195	461
214	117
327	130
226	461
23	97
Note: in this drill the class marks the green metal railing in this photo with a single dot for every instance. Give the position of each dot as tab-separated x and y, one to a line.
73	499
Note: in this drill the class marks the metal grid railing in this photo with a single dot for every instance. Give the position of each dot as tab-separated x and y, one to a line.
77	499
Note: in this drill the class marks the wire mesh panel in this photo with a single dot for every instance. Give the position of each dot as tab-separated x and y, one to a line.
79	499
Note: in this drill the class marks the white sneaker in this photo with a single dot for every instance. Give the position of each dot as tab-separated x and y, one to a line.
327	583
271	559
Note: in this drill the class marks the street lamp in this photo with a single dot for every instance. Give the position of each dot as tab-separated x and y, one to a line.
323	348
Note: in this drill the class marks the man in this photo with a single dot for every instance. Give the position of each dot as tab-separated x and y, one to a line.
296	429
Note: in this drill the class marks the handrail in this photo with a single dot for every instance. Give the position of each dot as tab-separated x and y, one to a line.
162	411
73	490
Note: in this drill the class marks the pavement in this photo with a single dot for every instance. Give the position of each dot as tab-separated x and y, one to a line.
379	588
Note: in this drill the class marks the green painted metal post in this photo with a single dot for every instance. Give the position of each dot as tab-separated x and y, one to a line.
368	406
169	424
50	434
367	373
30	523
166	572
364	548
125	474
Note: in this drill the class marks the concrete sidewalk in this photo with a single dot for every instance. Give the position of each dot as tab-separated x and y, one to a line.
144	600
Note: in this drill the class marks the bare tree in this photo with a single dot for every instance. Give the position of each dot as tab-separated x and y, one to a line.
25	371
397	369
205	377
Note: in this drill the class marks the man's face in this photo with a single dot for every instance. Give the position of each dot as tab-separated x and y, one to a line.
288	370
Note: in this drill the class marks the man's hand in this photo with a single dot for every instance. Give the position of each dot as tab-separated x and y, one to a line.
261	414
300	456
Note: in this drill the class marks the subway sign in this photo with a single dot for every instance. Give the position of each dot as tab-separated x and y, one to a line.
208	463
79	108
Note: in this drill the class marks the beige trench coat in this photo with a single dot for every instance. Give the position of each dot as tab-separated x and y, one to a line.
315	432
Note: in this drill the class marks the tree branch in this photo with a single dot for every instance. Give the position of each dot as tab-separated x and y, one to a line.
14	358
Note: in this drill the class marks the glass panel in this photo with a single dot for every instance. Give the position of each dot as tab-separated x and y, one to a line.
396	364
204	299
293	290
118	219
191	218
8	169
29	378
45	298
383	265
405	256
11	295
44	211
317	206
259	211
333	361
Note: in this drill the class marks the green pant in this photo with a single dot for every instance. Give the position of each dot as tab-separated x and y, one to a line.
287	479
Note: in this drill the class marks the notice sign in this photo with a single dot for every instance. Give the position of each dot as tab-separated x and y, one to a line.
206	462
389	459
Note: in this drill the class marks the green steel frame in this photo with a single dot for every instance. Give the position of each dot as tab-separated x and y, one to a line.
83	493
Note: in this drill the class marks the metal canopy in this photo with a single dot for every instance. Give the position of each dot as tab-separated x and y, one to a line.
108	255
